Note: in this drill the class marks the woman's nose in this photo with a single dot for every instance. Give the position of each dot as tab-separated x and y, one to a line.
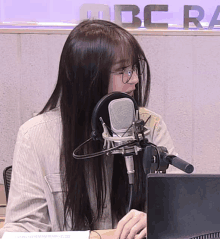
134	78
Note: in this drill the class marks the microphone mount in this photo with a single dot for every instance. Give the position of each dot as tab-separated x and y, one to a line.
155	158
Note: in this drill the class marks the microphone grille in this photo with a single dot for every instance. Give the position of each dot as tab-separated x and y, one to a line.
121	114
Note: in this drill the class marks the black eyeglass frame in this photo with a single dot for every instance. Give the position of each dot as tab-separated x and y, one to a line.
134	68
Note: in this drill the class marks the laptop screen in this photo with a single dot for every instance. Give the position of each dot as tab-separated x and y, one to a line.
183	206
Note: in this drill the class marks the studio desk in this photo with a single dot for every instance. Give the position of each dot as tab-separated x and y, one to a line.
105	234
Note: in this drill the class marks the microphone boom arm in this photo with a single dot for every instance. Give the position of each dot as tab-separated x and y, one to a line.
110	141
155	158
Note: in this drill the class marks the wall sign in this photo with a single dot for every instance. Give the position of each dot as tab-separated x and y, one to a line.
94	10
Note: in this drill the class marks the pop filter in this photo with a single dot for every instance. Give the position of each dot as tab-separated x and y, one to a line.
101	110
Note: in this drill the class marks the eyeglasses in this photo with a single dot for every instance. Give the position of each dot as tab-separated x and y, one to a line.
126	73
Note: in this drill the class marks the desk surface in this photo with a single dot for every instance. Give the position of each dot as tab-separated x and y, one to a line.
105	234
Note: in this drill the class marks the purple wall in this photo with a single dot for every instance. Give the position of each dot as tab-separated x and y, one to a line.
69	10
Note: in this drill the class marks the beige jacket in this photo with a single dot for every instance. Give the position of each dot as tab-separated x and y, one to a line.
35	198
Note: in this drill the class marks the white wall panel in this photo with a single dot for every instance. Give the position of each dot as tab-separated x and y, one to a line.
9	96
207	104
171	64
34	73
178	105
155	51
185	89
39	69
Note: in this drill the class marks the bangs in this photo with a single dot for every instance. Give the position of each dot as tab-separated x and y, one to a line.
125	54
129	53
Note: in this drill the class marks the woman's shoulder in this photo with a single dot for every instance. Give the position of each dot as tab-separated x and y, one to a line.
41	121
148	115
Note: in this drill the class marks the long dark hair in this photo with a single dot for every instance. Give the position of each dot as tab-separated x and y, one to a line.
84	72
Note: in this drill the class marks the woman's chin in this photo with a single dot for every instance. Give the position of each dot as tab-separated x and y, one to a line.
131	93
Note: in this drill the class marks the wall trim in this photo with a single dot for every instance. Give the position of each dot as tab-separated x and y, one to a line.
132	31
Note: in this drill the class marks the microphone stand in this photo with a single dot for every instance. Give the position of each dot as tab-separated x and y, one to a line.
156	160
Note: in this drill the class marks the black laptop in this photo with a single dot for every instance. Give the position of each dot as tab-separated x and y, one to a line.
183	206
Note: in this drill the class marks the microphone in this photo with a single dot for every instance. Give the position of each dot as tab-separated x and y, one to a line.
100	130
180	164
120	112
122	118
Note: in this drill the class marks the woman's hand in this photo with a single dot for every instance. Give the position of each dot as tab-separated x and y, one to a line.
132	226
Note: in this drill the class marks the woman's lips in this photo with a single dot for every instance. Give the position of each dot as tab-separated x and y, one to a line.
130	92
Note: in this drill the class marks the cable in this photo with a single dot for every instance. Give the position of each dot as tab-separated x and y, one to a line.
127	129
98	153
130	197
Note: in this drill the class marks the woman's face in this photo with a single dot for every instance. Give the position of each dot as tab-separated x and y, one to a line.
121	72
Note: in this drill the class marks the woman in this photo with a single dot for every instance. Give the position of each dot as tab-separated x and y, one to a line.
52	191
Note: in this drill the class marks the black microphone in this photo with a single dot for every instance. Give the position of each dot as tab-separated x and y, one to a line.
117	144
122	118
180	164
